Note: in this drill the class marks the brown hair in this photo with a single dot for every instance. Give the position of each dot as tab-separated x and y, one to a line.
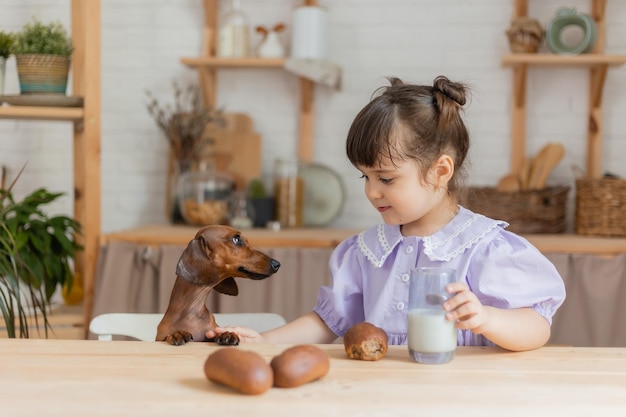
426	119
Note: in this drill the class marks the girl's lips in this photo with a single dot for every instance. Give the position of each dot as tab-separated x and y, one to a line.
383	209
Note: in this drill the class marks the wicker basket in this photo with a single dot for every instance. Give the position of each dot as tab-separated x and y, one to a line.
601	207
42	73
530	211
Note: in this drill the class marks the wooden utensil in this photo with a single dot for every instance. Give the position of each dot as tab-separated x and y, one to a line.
508	183
238	141
524	174
543	164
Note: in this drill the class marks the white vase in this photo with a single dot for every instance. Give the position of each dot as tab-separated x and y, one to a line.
3	65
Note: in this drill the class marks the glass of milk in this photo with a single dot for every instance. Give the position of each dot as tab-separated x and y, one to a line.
431	338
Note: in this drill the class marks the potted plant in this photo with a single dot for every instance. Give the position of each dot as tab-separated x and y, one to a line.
184	124
36	256
42	53
263	205
6	41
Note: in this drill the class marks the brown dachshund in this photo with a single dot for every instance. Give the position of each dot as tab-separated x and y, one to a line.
212	260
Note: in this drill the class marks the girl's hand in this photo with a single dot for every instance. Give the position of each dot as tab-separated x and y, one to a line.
465	309
246	334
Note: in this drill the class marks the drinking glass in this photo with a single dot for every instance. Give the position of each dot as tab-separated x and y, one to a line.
432	338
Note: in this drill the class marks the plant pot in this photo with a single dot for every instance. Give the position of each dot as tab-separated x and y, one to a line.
42	73
264	209
3	65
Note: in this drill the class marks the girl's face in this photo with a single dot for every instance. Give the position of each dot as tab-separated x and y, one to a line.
402	196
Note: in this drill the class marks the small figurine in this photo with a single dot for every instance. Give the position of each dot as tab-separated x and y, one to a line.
271	46
525	35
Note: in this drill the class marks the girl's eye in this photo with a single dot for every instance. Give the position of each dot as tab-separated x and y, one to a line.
363	176
385	180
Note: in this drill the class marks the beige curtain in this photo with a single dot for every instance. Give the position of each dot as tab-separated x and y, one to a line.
134	278
593	313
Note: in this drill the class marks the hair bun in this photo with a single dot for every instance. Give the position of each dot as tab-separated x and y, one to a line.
451	90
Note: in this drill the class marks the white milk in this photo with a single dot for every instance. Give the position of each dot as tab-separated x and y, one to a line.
430	332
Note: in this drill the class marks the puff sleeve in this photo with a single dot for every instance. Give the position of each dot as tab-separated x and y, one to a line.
340	305
509	272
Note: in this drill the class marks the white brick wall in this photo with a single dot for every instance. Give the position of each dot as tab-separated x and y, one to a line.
142	41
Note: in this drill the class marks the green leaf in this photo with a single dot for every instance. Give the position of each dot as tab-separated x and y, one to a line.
35	249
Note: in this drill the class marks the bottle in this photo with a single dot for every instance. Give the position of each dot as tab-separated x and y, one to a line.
242	214
289	192
234	32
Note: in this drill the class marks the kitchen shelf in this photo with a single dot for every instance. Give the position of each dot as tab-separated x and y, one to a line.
217	62
85	24
72	114
208	64
550	60
597	64
156	235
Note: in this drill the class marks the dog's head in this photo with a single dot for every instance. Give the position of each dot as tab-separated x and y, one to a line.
219	254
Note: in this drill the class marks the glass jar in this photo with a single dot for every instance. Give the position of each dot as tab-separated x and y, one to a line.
234	32
242	213
289	193
204	197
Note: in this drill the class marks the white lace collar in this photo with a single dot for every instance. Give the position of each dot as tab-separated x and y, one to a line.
463	232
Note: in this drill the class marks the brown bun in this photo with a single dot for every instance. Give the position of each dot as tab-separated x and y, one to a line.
365	342
242	370
299	365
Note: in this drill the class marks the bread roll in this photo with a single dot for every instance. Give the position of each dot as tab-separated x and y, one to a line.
365	342
298	365
243	370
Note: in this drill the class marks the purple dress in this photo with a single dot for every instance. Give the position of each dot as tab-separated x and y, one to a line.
370	274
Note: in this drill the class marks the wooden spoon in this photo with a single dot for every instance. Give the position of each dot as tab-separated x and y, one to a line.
524	174
553	157
545	161
536	167
508	183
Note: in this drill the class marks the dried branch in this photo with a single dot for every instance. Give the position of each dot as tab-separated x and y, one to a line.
184	123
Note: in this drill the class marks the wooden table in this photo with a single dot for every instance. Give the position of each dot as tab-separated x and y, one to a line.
91	378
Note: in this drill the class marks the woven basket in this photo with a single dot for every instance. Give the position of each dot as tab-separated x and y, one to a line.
601	207
42	74
530	211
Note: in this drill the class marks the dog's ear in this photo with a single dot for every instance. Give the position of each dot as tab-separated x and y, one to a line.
228	287
194	266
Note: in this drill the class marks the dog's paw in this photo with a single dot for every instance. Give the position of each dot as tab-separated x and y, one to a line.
179	338
227	338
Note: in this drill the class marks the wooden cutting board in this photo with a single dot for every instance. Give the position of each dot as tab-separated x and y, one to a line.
237	148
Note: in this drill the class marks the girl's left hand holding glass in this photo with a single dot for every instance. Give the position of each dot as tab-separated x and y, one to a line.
515	329
464	308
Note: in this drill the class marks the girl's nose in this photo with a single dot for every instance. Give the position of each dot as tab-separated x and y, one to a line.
371	191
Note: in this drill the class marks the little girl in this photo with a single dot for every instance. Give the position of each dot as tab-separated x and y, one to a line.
409	143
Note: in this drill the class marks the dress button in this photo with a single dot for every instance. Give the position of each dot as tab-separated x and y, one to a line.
409	249
405	277
400	305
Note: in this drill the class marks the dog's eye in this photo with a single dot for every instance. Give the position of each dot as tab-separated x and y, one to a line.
238	240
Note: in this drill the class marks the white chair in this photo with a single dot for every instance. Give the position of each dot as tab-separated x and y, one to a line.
144	326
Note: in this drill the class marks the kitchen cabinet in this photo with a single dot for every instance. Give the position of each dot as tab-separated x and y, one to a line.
208	65
85	22
597	64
